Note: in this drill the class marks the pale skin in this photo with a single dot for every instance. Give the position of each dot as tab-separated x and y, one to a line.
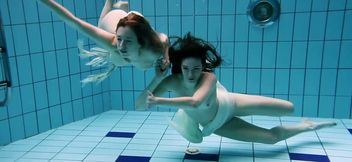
122	44
196	91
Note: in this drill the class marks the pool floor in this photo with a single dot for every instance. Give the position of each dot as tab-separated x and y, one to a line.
145	136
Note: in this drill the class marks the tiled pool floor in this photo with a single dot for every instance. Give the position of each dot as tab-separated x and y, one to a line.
146	136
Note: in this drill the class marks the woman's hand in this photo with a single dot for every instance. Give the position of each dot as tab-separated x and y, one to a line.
162	67
151	100
165	64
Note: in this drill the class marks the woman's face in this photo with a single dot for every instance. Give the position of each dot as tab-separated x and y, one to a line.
127	43
191	69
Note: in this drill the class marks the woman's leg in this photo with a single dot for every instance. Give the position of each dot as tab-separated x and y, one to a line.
260	105
108	6
110	18
186	126
241	130
106	9
122	5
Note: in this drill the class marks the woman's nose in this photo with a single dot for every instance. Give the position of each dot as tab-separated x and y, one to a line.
122	44
190	75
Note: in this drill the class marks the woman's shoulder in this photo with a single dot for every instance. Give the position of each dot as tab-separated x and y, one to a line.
149	55
173	78
209	76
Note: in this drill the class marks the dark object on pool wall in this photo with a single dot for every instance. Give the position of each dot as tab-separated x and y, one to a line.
263	13
5	75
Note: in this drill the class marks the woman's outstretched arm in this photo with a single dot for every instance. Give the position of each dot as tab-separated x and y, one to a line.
101	37
207	85
158	85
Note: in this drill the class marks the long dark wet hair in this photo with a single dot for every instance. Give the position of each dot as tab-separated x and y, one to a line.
190	46
146	36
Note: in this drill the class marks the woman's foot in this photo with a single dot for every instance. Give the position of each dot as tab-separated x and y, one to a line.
311	125
122	5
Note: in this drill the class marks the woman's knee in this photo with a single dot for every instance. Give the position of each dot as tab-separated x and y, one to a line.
275	135
289	107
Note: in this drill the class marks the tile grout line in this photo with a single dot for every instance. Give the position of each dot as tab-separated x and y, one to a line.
160	138
136	133
57	153
87	154
53	131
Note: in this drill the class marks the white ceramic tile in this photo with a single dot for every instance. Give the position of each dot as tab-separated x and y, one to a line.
305	150
32	160
88	139
53	143
107	151
337	146
144	141
82	144
171	148
146	153
85	141
13	147
67	156
236	152
52	149
271	160
66	132
227	158
27	142
118	140
100	158
154	159
169	154
118	146
38	155
205	144
60	137
245	146
271	154
338	159
93	133
141	147
173	142
76	150
339	153
268	147
11	154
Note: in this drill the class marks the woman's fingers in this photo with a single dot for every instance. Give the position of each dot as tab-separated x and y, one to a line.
150	93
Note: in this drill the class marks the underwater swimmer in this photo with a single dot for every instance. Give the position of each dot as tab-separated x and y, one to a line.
202	100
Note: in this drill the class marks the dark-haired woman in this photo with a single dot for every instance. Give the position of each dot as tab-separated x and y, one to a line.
201	99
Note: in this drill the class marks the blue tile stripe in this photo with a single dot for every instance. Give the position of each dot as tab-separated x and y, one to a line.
202	156
309	157
132	159
120	134
350	130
